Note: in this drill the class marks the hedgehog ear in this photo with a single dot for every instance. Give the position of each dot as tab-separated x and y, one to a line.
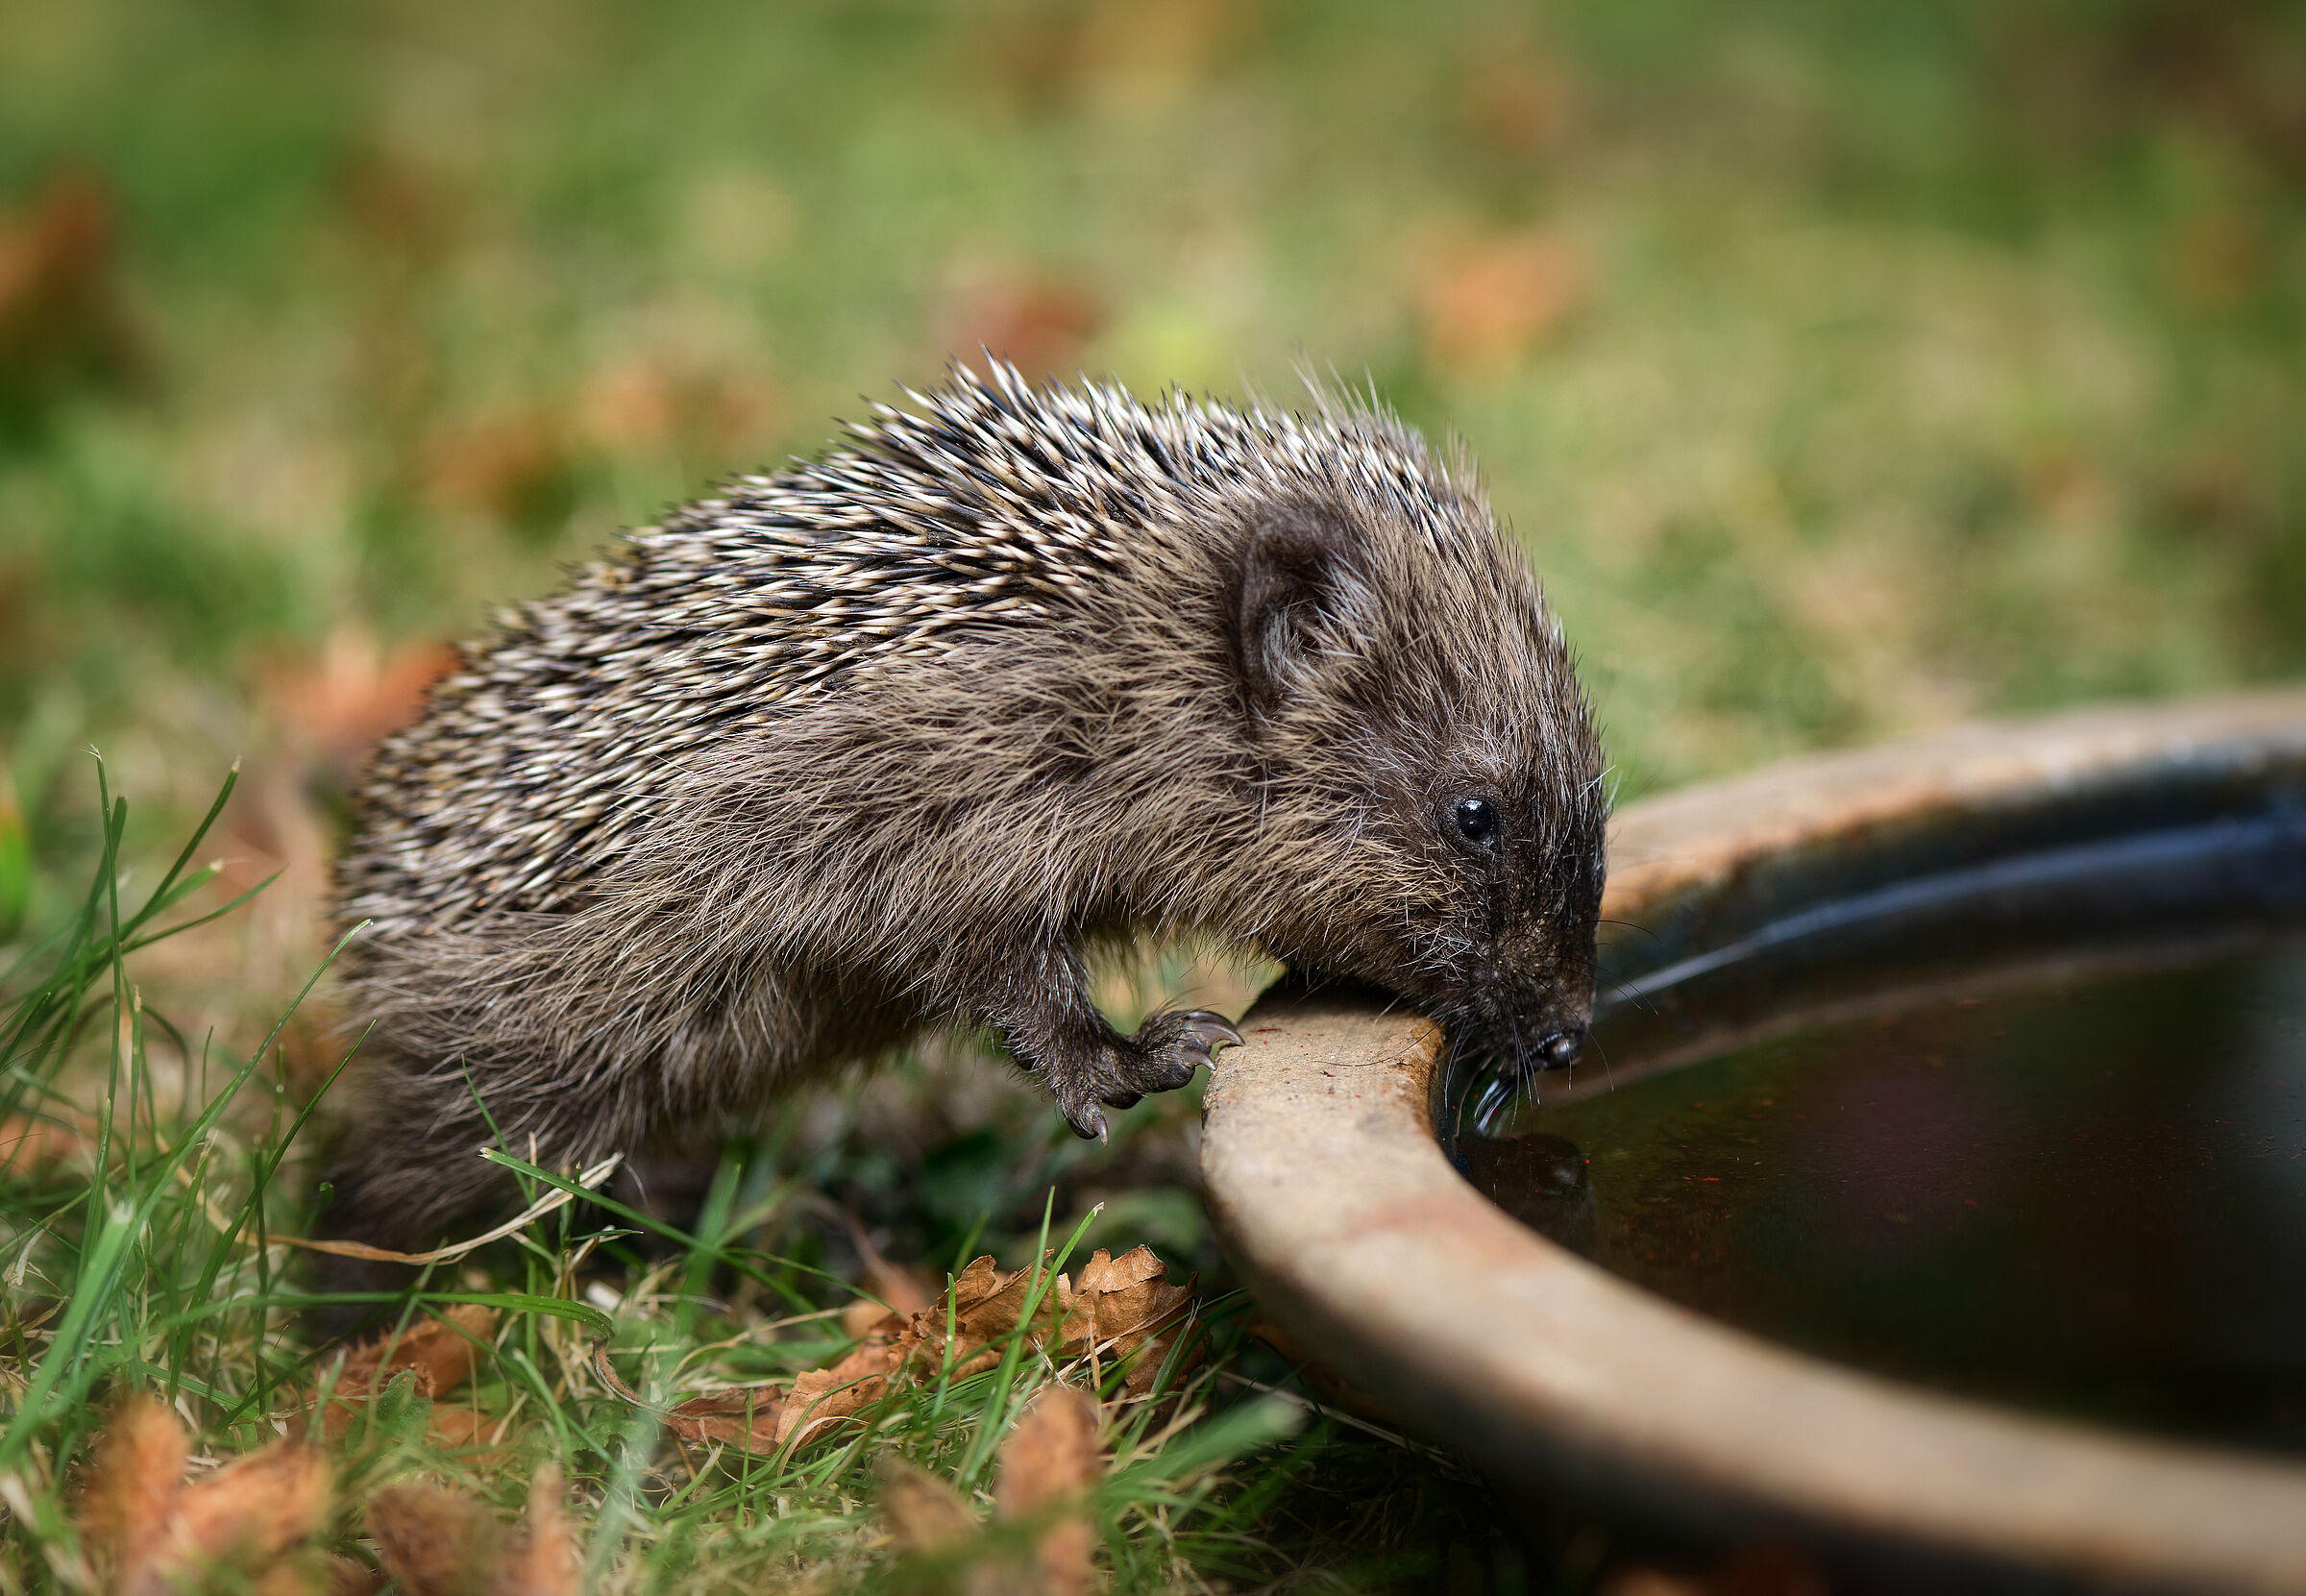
1301	575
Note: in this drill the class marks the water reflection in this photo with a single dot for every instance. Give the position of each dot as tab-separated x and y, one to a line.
2085	1190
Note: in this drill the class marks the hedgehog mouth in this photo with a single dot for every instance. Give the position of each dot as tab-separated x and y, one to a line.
1520	1040
1516	1043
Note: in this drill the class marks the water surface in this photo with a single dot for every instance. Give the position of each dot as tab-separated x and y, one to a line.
2076	1183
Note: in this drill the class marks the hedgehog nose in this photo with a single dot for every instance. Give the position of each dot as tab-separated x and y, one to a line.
1559	1051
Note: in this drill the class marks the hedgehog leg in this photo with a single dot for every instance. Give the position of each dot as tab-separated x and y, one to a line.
1054	1030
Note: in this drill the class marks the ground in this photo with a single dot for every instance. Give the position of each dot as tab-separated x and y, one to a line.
1847	369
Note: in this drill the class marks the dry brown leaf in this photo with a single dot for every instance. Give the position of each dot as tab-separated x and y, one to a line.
1487	303
745	1418
435	1543
62	318
1053	1452
332	708
822	1397
542	1561
156	1534
986	1303
1039	324
29	1144
245	1518
138	1468
458	1426
825	1395
343	1577
924	1513
761	1418
865	1317
302	1575
1125	1308
983	1305
1052	1457
516	467
443	1351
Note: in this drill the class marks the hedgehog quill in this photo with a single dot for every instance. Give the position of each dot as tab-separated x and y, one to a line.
898	738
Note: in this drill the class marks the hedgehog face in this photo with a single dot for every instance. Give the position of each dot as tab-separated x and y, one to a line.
1408	680
1508	959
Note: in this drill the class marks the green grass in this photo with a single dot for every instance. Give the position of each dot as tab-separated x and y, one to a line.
150	1258
1901	363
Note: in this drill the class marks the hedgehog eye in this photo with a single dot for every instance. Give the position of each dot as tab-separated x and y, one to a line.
1476	821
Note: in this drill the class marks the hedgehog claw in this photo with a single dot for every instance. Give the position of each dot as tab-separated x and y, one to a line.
1161	1056
1208	1028
1192	1037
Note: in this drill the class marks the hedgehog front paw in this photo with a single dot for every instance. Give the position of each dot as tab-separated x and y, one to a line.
1171	1047
1161	1056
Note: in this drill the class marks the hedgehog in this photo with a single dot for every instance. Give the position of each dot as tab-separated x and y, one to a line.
901	739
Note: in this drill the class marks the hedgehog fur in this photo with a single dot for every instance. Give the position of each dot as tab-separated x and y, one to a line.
897	739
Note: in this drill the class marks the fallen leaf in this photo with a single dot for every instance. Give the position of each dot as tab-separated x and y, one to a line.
245	1519
542	1559
1051	1453
518	468
30	1145
825	1396
154	1535
1050	1459
1123	1307
924	1513
983	1305
1038	325
1487	303
442	1352
343	1577
745	1418
139	1466
986	1303
861	1317
435	1542
334	708
460	1426
61	319
1125	1310
438	1543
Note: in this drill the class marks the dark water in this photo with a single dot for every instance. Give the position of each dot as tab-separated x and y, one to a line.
2077	1185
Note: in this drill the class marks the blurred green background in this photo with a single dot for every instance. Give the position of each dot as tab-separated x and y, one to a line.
1848	367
